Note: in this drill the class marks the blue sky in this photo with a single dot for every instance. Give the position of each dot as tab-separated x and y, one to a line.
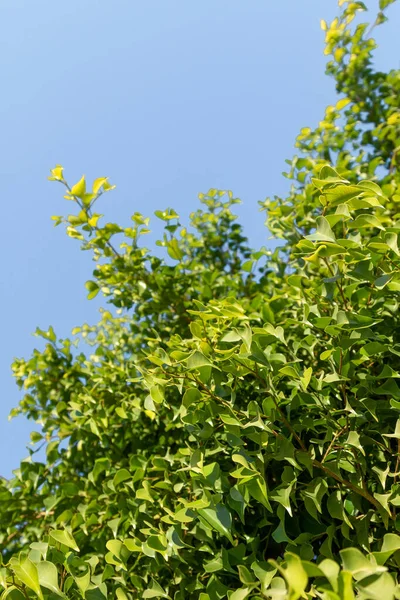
166	97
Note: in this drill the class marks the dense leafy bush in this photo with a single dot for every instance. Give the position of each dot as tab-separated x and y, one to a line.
231	427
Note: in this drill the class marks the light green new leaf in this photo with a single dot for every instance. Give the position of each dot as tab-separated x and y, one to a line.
79	189
391	543
396	433
345	589
48	577
121	594
377	587
391	241
64	537
356	563
56	173
294	573
120	476
198	360
240	594
353	439
174	249
365	221
92	288
324	232
83	581
155	591
26	571
97	184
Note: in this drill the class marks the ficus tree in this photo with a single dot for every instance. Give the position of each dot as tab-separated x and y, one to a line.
231	426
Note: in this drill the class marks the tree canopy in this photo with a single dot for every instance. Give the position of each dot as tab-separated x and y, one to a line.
231	426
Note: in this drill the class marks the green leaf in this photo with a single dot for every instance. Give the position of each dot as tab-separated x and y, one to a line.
329	174
245	576
391	241
340	194
83	581
26	571
305	380
64	537
376	587
174	249
133	545
40	547
290	372
346	586
214	565
197	360
240	594
56	173
157	543
353	439
396	433
391	543
115	546
48	577
92	288
264	572
154	591
120	476
281	495
331	570
294	573
385	3
218	518
98	184
257	488
13	593
356	563
364	221
157	394
35	437
380	282
79	189
324	233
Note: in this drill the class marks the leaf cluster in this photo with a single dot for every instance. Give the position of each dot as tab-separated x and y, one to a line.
231	426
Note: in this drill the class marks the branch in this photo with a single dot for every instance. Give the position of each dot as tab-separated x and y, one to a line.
86	209
355	488
346	306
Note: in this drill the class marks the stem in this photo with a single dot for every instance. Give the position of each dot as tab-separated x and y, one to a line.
397	462
87	209
278	408
393	160
337	284
354	488
340	361
360	491
335	437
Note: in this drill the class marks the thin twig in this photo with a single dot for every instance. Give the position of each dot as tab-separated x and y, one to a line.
355	488
86	209
278	408
335	437
393	160
397	462
337	284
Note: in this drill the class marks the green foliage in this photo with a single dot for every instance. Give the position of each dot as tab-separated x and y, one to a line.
231	426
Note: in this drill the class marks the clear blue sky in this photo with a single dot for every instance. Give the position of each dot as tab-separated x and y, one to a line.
166	97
